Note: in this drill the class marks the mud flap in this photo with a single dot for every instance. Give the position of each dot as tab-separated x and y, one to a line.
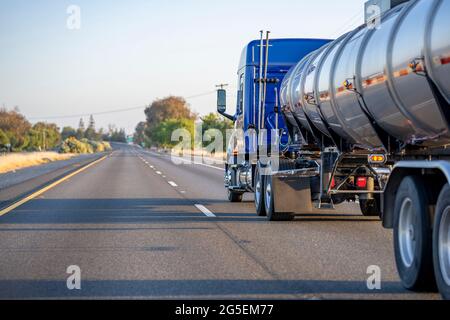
292	194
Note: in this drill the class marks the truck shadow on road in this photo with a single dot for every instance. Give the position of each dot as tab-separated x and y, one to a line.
138	211
295	289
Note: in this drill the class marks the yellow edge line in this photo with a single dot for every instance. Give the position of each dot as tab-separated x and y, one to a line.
51	186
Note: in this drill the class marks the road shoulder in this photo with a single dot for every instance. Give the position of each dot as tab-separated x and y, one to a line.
25	182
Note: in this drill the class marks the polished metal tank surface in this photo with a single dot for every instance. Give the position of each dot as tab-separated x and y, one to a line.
297	90
411	90
290	101
324	89
338	105
371	79
286	108
437	47
394	78
308	100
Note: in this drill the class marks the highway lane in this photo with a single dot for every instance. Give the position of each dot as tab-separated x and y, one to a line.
134	225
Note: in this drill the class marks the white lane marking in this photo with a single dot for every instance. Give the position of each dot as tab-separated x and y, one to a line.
208	166
173	184
187	161
198	163
159	172
205	211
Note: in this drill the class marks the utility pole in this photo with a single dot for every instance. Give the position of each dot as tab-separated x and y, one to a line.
222	86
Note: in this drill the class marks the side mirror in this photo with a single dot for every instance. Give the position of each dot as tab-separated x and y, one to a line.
221	101
222	104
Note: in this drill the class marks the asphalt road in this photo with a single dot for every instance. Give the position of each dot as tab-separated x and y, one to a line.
136	225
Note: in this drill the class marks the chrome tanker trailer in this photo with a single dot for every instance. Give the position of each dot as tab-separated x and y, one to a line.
292	161
387	86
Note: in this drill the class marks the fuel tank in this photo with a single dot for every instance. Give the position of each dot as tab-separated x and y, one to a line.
390	80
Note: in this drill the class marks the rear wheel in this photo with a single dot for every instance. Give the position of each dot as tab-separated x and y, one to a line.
259	193
370	207
413	235
272	215
234	196
441	243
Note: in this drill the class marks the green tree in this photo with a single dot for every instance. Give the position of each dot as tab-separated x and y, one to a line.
90	132
16	128
214	121
4	140
170	108
68	132
162	135
81	130
115	135
139	137
44	136
119	136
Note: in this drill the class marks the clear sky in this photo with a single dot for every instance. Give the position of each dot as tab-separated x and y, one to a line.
127	53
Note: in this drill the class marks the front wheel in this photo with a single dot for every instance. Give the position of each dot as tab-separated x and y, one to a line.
413	235
441	243
272	215
259	193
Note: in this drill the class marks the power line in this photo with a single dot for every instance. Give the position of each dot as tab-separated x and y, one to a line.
348	23
201	95
81	115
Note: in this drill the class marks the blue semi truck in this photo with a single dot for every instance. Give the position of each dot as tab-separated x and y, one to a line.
291	168
364	117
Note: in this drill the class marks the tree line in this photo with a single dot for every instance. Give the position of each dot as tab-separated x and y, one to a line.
17	134
113	134
164	116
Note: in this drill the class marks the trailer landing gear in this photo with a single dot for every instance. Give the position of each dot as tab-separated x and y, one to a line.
370	207
234	196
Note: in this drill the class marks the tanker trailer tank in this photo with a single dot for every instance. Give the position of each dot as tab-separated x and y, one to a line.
380	88
395	75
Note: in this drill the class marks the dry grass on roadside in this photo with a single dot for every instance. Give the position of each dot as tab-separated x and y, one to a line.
15	161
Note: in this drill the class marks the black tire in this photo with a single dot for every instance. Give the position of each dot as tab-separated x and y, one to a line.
441	264
269	204
413	239
370	207
259	193
234	197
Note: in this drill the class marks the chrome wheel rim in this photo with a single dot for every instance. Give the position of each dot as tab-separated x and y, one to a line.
268	195
407	233
444	245
258	190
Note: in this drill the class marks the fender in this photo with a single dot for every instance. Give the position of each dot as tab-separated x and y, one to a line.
402	169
